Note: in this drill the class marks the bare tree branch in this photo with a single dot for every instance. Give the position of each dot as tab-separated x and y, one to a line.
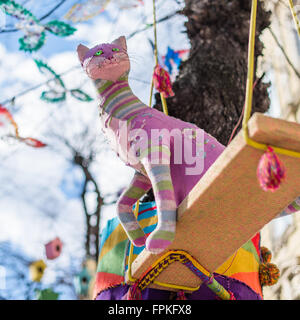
284	53
151	24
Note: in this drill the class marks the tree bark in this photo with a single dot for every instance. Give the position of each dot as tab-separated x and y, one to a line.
210	88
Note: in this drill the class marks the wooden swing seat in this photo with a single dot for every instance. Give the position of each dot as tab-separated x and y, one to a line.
227	207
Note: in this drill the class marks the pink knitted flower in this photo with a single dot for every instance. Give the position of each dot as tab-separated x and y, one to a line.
162	82
270	171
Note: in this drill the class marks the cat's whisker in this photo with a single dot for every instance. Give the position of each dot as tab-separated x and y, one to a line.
133	60
134	55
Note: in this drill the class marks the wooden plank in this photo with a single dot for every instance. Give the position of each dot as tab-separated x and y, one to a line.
227	207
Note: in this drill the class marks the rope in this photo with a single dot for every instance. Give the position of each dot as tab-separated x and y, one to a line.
186	259
249	91
295	16
162	98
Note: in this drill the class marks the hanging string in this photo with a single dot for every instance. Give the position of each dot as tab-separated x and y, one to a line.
241	116
163	99
297	23
249	91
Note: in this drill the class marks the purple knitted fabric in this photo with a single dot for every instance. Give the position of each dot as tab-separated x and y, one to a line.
239	289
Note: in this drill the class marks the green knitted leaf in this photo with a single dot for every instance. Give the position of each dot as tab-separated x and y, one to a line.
53	96
32	27
46	294
14	9
32	42
80	95
49	72
60	28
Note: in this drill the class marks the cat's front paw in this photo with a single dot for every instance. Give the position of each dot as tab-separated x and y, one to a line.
139	242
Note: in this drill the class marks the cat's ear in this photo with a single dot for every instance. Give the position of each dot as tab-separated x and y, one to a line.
121	41
81	51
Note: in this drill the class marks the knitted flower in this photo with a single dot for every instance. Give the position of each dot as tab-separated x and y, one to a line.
162	82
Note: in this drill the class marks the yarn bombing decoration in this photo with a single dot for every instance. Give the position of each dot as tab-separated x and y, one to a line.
162	81
270	171
242	265
36	270
268	272
46	294
91	8
32	142
34	30
53	248
82	282
86	10
6	120
108	65
174	58
57	93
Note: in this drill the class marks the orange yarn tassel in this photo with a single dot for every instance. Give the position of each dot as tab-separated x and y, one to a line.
162	81
270	171
266	254
268	274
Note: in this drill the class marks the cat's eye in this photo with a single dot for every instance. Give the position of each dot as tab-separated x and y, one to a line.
98	53
115	49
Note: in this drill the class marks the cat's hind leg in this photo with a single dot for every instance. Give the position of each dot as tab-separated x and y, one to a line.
160	177
139	185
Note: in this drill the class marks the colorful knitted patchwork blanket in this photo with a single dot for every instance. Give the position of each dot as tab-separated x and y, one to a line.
243	265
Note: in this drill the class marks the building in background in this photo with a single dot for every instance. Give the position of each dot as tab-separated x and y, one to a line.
281	62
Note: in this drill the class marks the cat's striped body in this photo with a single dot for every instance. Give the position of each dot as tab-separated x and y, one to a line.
117	98
119	106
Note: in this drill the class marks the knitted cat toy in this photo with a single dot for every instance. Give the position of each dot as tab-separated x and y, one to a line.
159	147
149	141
